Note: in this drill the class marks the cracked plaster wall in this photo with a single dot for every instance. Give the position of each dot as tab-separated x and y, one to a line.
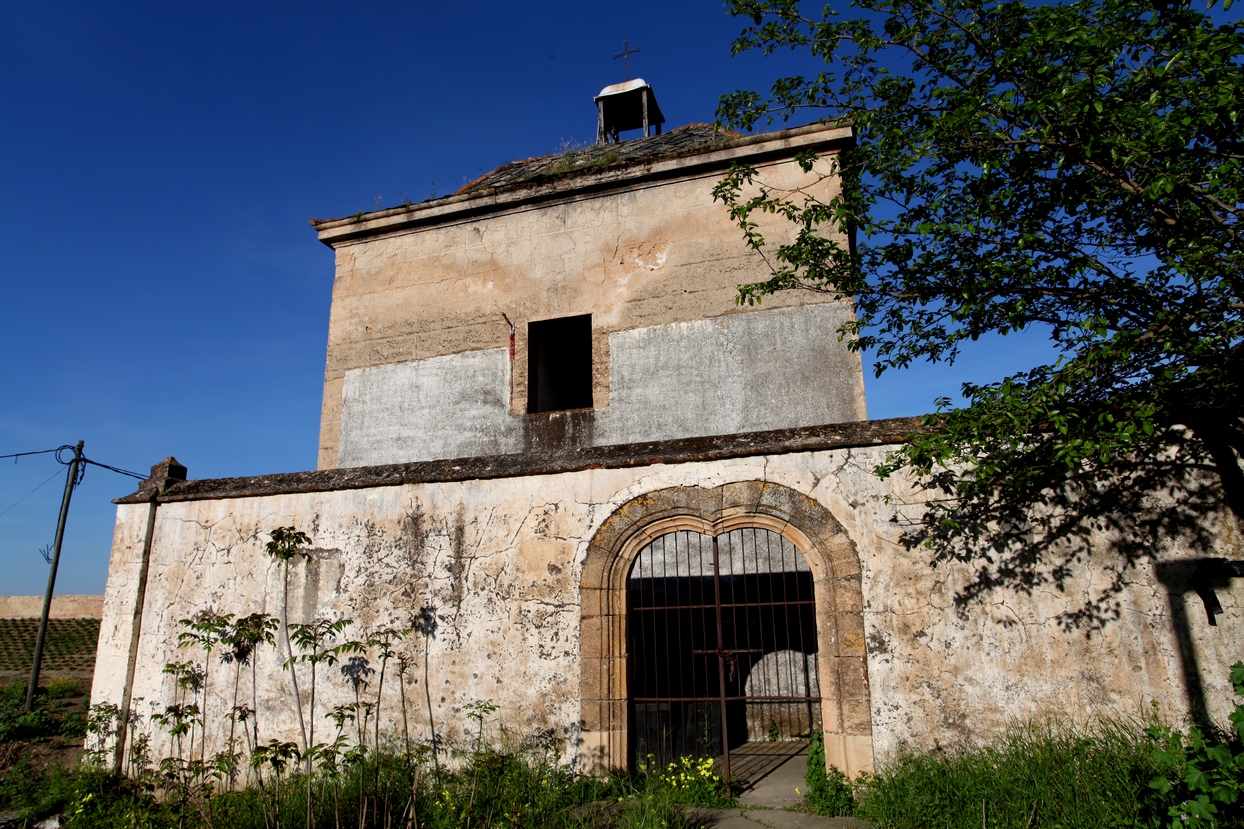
655	254
501	560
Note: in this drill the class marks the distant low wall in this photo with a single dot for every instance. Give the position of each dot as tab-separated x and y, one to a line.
63	607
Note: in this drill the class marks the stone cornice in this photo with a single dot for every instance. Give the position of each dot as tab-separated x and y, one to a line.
685	450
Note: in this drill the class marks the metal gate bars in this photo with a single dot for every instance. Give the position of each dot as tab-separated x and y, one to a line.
722	646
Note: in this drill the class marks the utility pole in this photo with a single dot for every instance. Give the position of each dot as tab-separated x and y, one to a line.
70	482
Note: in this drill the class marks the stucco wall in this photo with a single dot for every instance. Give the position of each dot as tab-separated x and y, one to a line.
777	368
454	406
501	561
637	252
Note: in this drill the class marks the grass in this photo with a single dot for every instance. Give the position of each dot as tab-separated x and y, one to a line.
521	787
58	711
1051	774
1048	774
570	158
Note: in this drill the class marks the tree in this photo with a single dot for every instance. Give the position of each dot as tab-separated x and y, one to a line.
1073	168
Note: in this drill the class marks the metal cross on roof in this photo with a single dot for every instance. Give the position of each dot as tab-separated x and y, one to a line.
626	53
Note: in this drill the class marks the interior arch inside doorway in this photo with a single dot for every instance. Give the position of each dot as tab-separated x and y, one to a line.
832	562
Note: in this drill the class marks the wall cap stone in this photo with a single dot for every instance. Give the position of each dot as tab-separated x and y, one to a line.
63	607
621	456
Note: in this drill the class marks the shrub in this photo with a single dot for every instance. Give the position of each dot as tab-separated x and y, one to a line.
1201	782
16	784
73	724
64	687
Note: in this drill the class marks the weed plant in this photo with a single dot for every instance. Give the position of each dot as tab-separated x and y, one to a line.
64	687
829	792
492	788
345	775
687	781
663	797
53	713
1200	783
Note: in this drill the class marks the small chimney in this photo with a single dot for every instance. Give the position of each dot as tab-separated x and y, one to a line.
627	106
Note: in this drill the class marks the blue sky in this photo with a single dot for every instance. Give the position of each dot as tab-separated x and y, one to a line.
161	292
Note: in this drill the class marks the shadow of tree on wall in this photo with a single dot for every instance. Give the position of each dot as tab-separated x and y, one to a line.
1172	509
1112	519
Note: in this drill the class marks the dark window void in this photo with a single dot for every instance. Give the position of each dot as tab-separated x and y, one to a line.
559	364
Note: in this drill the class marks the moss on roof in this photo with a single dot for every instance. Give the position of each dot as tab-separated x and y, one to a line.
686	140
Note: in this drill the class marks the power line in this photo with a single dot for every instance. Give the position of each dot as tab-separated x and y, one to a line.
80	469
32	492
77	471
137	475
58	450
17	455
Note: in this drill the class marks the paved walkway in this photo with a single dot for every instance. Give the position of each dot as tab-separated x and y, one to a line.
775	773
781	786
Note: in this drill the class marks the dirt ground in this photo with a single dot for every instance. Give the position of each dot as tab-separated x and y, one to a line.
48	751
44	753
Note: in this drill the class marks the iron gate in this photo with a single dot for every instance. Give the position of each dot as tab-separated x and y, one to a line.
722	643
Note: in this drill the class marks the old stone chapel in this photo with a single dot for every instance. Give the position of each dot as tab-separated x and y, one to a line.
642	517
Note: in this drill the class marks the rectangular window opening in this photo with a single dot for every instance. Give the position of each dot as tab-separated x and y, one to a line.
559	364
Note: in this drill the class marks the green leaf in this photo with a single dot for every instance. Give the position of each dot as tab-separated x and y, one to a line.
987	193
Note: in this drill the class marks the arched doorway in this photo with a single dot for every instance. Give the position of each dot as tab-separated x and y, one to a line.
606	732
722	647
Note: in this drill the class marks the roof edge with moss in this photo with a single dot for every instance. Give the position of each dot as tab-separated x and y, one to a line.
684	151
